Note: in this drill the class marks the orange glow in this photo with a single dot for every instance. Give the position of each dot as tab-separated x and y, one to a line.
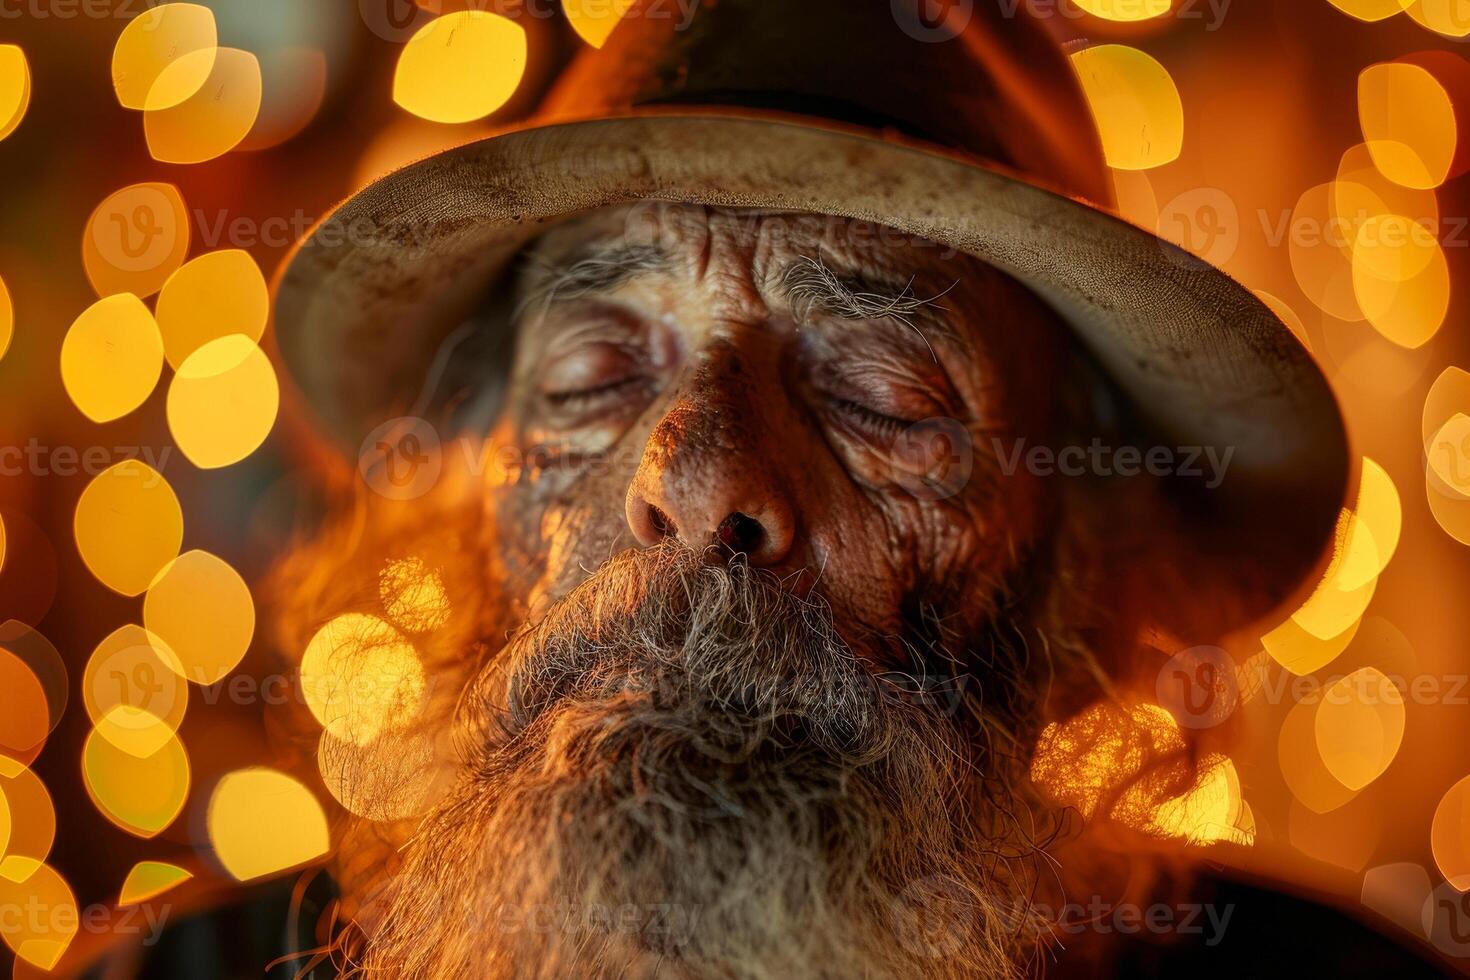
413	595
111	358
1448	17
24	720
155	40
392	778
1408	123
223	402
360	678
15	87
594	20
1306	775
7	331
135	680
40	940
214	120
149	879
135	239
1360	726
211	296
1135	103
141	793
128	525
1371	10
262	822
32	817
202	609
460	67
1449	835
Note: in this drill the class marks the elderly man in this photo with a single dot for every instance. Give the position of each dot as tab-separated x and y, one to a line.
765	592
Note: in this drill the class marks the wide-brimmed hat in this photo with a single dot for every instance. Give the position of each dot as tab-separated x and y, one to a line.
967	129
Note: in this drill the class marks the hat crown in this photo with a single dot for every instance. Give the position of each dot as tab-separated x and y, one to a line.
979	76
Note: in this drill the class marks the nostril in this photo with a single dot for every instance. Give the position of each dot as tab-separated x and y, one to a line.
662	526
741	534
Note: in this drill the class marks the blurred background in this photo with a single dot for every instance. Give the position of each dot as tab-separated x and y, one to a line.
159	160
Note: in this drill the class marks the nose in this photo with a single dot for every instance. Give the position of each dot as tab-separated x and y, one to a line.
707	477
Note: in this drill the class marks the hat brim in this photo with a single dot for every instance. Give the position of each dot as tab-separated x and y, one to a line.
366	298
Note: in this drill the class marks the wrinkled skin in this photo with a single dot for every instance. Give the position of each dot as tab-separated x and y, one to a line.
779	430
702	393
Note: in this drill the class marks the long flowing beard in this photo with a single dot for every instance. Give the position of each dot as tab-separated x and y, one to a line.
682	770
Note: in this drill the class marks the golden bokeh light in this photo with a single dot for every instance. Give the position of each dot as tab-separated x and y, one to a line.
155	40
142	794
1090	759
1451	512
1408	123
135	680
1346	839
1361	193
209	297
147	880
15	87
1448	17
1302	653
1135	104
1345	590
7	332
594	20
1371	10
1449	835
1321	253
111	358
29	884
24	716
1448	457
1306	775
1372	531
32	817
4	824
460	67
44	663
1360	726
261	821
413	595
1398	893
394	777
1408	311
128	526
214	120
223	401
135	239
1126	10
202	609
361	678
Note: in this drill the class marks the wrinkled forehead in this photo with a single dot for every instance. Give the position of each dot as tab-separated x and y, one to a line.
685	239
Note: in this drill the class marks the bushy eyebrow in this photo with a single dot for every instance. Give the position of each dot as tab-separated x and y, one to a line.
811	286
598	267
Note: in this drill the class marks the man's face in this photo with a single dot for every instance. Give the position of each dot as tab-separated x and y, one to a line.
773	643
819	396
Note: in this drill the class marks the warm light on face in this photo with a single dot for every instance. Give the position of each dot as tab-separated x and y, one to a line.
15	88
262	821
202	609
1135	103
128	526
111	358
223	401
212	296
212	121
361	678
141	791
159	38
460	67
